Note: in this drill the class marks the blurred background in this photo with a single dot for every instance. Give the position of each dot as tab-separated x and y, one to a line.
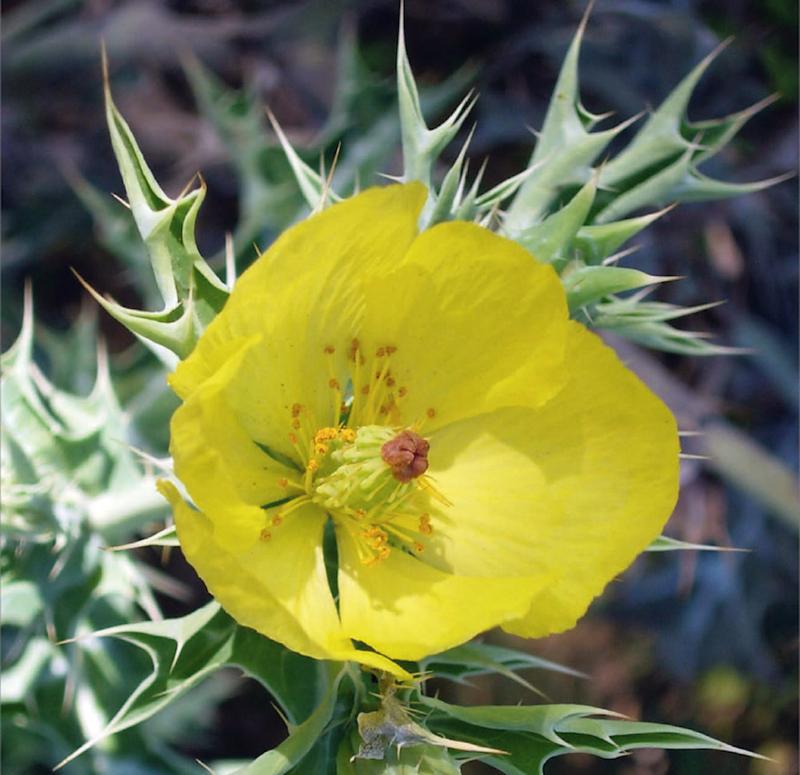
704	640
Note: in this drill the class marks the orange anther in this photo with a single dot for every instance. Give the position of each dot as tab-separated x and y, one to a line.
265	535
329	349
431	412
333	383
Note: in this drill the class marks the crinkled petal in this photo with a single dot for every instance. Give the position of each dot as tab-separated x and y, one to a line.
407	609
576	488
301	296
278	587
477	323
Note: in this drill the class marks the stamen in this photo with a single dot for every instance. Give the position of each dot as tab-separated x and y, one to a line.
425	526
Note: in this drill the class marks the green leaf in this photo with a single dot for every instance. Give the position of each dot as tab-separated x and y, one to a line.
166	537
587	284
477	658
184	651
565	148
595	242
660	137
667	544
421	145
315	188
64	457
551	239
301	739
191	292
531	736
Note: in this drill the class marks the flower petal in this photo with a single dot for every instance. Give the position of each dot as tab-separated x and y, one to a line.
214	456
301	296
278	587
576	488
407	609
477	324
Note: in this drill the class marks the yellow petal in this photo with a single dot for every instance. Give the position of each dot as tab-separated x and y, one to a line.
301	296
278	587
576	488
215	458
406	609
477	324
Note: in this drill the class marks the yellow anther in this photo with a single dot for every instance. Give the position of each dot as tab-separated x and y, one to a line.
312	465
329	349
277	520
293	438
333	383
321	449
353	351
390	381
296	409
380	352
402	392
418	547
325	434
348	435
384	552
365	390
425	526
390	349
431	412
265	535
360	513
283	482
296	424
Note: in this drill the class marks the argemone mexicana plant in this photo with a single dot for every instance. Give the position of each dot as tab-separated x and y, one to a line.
398	430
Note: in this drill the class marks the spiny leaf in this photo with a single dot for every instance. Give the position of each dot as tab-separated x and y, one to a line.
421	145
167	227
301	739
595	242
586	284
565	145
663	336
533	736
476	658
697	187
550	240
667	544
166	537
184	651
660	137
714	134
314	186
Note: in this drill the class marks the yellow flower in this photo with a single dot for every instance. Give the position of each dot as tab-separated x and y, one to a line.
423	397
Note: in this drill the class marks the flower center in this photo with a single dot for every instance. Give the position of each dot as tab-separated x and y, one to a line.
365	469
369	477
